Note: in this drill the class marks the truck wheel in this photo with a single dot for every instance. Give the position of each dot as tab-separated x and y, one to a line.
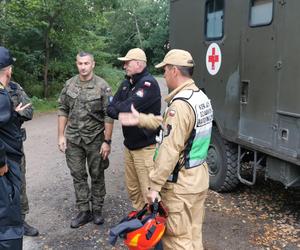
222	162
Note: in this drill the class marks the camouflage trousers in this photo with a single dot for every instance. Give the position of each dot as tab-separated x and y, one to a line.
24	198
77	157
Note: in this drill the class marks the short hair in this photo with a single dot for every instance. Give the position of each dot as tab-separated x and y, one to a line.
185	71
84	53
5	68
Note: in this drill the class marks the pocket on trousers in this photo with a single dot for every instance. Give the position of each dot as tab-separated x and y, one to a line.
177	221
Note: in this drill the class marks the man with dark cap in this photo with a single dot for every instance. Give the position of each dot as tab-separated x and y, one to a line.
180	172
141	89
19	98
11	224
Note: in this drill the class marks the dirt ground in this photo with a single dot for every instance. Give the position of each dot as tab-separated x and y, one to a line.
262	217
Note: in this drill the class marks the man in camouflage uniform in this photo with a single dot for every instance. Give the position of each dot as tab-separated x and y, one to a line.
84	134
180	173
19	98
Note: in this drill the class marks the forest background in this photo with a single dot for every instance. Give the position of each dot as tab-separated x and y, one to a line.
45	35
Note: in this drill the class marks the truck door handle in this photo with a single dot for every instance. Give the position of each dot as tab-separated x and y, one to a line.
244	92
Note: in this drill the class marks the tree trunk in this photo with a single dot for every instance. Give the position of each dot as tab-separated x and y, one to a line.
46	65
138	30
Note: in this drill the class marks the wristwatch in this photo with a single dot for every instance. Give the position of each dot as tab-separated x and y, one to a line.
107	141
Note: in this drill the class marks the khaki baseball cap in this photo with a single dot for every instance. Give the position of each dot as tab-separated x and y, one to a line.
134	54
177	57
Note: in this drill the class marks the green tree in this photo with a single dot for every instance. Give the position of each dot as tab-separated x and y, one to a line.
139	23
46	34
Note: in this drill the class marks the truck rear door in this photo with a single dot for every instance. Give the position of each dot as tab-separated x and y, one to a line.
258	75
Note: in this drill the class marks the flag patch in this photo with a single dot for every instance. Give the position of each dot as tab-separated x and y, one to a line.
172	113
147	84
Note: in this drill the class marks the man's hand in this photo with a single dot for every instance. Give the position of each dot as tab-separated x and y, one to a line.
151	196
62	144
129	119
3	170
20	108
105	150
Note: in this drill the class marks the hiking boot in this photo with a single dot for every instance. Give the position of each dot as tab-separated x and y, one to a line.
29	230
82	218
98	219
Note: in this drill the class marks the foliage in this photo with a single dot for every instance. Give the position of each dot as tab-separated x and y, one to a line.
112	75
139	23
46	35
43	104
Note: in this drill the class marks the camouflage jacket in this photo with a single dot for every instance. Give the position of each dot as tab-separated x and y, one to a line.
85	105
17	96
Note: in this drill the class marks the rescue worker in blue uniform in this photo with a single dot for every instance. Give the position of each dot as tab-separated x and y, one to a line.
141	89
11	224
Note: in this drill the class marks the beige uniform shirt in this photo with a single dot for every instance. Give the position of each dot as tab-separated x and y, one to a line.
178	123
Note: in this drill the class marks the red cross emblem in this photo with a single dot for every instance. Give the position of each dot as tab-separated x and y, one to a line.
213	58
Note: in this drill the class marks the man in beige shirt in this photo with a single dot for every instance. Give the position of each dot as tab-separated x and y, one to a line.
180	173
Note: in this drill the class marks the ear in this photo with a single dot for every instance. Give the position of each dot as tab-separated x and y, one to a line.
9	70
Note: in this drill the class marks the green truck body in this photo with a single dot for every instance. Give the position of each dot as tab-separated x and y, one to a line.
247	61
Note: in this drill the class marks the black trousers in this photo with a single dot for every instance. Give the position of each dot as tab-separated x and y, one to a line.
11	244
11	223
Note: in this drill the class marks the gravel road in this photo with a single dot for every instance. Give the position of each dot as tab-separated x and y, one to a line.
262	217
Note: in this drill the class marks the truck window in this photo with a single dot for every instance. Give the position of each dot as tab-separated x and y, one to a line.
214	13
261	12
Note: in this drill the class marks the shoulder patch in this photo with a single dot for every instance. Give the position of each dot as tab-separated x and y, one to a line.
140	93
147	84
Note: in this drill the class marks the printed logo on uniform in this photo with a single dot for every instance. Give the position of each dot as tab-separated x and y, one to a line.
124	88
140	93
147	84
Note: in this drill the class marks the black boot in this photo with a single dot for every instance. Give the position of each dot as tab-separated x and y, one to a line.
29	230
98	219
82	218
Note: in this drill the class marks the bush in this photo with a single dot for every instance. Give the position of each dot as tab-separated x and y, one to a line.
44	105
112	75
36	90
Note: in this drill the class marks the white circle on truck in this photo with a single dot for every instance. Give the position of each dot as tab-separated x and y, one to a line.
213	58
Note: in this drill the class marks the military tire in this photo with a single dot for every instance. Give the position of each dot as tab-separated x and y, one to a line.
222	162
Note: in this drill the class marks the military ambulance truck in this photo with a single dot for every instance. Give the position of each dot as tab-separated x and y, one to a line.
247	56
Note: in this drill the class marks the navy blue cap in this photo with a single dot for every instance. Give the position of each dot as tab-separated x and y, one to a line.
5	58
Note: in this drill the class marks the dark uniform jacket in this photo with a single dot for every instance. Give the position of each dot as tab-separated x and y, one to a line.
10	135
11	226
144	94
